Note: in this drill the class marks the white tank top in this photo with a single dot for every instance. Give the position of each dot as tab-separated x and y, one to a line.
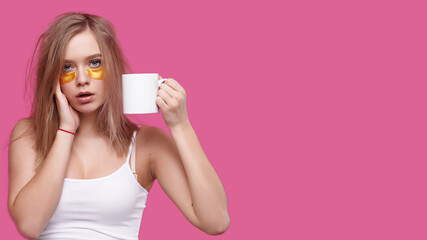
109	207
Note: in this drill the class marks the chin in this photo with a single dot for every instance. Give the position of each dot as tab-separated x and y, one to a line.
87	108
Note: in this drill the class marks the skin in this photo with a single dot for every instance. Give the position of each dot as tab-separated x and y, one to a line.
178	163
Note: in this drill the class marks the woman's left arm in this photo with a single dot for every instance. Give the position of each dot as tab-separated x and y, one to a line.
184	171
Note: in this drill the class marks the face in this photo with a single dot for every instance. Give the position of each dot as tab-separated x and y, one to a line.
82	75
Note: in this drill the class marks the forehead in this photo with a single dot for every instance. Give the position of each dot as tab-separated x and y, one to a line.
81	45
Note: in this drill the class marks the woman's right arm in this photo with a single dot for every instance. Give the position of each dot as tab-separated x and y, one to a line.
34	196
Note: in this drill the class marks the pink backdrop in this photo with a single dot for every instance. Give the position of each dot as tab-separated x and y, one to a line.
312	112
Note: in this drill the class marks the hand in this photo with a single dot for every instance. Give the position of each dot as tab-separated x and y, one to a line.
172	101
68	117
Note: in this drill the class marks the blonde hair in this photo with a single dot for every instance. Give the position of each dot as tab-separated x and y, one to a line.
44	116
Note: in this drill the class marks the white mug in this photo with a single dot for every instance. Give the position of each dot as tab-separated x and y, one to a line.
140	92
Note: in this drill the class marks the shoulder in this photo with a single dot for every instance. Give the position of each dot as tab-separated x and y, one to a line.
23	140
23	131
22	157
22	149
152	136
155	142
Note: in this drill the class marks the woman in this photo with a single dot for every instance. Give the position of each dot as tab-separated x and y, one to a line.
78	168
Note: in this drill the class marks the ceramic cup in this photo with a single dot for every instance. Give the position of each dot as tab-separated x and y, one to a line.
140	92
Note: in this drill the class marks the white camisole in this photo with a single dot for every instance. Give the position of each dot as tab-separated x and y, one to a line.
109	207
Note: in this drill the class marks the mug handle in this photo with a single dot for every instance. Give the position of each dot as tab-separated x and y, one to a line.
160	81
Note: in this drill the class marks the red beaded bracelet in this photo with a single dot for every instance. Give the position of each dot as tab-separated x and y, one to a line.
66	131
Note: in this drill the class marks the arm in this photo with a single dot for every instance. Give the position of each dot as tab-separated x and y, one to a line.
182	168
33	197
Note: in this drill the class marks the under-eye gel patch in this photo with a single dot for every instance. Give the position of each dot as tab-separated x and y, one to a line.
96	73
67	77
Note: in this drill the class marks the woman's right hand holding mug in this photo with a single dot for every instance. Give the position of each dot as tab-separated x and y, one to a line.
68	116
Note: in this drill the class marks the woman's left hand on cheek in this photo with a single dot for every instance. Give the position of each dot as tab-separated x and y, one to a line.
172	100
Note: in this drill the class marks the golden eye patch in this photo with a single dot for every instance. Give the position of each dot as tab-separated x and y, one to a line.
67	77
96	73
93	73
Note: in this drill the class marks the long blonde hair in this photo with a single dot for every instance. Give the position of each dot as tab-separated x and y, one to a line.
44	116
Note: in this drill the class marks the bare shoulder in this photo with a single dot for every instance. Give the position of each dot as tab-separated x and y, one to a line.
157	143
152	145
23	132
22	142
22	156
153	137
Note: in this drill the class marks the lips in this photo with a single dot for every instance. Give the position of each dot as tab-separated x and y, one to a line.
85	97
84	94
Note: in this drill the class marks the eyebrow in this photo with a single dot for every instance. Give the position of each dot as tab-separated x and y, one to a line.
87	58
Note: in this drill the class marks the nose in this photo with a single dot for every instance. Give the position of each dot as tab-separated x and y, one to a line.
82	78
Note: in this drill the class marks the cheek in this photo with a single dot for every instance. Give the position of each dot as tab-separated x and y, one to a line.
67	77
67	91
96	73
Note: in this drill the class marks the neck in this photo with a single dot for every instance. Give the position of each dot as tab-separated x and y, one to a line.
88	122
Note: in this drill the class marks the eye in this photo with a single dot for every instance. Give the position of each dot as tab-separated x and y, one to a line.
95	63
66	68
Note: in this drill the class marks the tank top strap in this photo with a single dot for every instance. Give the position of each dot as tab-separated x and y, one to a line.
133	154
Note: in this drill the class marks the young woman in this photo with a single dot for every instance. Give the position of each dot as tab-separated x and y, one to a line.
78	168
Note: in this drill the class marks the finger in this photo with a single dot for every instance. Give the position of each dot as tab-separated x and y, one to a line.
166	97
57	89
161	103
57	93
175	85
173	93
163	80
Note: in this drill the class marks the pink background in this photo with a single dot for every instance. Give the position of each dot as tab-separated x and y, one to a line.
312	112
